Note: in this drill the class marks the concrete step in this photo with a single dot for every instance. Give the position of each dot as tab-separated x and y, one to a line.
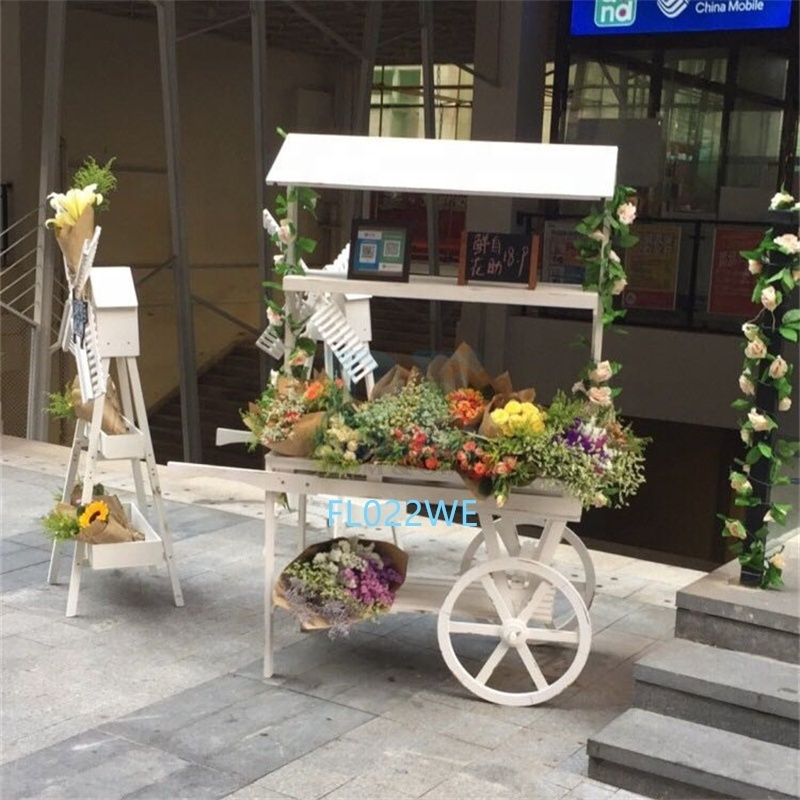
726	689
674	759
717	610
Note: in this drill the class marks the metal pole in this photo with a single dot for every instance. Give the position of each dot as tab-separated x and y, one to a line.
426	33
190	409
258	48
39	377
372	29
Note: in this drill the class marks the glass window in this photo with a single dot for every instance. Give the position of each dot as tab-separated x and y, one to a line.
396	107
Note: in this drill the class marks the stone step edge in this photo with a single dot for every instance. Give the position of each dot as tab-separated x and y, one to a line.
720	754
724	683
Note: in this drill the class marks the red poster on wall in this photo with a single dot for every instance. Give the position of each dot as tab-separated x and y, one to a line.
731	286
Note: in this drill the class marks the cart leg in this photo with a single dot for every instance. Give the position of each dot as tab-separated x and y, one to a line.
302	519
270	499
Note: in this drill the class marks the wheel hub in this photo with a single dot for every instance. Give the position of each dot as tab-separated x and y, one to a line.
513	633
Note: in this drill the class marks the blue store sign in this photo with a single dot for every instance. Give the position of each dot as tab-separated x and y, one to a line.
608	17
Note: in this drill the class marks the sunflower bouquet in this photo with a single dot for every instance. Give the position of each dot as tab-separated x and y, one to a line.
101	521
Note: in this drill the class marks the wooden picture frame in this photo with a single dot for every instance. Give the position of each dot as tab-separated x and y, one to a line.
379	251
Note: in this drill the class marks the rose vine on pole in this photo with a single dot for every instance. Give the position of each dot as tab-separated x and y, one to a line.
766	383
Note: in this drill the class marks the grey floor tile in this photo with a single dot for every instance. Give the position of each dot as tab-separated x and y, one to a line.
192	782
302	780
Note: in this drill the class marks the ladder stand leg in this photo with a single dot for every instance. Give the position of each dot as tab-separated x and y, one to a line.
78	558
150	458
78	441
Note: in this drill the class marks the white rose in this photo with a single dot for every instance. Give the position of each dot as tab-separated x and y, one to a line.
746	385
768	517
796	275
626	213
736	529
598	236
286	232
619	286
745	435
778	368
750	331
759	421
785	404
755	349
778	561
601	373
349	456
273	317
788	243
578	387
279	259
601	395
754	267
614	257
769	298
780	200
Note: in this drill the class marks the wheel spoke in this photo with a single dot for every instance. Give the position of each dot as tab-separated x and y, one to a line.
479	628
530	607
533	668
491	663
493	590
548	635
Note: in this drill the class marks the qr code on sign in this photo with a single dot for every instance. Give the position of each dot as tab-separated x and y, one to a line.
368	253
391	249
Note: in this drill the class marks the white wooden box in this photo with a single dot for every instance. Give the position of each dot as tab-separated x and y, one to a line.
145	553
122	445
356	310
117	311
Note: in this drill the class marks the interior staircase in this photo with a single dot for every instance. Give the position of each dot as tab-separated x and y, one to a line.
223	389
715	711
399	328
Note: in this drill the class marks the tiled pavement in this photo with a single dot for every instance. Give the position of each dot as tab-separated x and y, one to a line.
135	698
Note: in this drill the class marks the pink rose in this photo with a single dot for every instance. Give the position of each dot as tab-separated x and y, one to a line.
769	298
755	349
788	243
750	331
746	385
735	528
601	373
754	267
600	395
759	422
785	404
778	368
626	213
286	232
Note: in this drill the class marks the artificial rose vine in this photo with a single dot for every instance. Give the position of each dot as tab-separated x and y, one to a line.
766	380
605	274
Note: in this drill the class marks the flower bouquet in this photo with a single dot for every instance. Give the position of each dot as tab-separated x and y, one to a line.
508	411
337	583
101	521
74	210
289	414
466	407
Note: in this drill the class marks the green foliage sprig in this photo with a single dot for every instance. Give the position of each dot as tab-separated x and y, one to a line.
90	172
60	405
775	264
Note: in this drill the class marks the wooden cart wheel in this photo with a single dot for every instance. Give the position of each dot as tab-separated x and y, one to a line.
509	602
576	565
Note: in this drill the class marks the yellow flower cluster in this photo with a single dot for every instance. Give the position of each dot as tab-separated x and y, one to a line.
70	206
516	417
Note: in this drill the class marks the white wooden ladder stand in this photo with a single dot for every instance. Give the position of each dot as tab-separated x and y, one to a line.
111	334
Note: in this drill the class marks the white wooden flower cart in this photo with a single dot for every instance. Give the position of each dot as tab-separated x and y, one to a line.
528	615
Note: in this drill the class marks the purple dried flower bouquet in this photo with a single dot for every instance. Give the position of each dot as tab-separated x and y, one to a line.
342	581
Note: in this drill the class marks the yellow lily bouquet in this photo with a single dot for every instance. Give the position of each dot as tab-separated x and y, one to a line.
74	210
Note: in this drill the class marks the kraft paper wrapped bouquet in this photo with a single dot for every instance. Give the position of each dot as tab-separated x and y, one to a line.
101	521
337	583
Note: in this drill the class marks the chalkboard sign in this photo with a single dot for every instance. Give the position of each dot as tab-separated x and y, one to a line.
498	258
